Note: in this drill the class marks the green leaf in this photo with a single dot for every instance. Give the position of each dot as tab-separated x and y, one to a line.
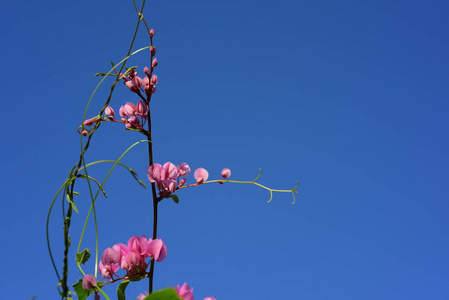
165	294
175	198
70	200
82	257
138	277
121	289
80	292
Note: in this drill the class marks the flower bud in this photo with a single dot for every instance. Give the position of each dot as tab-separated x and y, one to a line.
89	281
152	32
146	71
109	111
84	132
97	297
183	169
182	182
225	173
89	122
154	79
154	62
153	50
201	175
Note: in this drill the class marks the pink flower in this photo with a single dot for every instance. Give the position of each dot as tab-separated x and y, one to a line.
157	249
134	82
142	109
109	263
225	173
138	245
129	109
183	169
165	177
201	175
184	292
89	281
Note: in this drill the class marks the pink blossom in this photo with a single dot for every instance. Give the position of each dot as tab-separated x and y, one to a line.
129	109
122	112
109	263
157	249
165	177
89	281
184	292
183	169
146	71
142	109
138	245
201	175
152	32
134	82
225	173
109	111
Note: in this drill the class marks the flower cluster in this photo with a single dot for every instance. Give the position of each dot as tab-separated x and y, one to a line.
131	257
168	176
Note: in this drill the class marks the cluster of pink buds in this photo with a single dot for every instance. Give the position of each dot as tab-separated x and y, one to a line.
131	257
148	83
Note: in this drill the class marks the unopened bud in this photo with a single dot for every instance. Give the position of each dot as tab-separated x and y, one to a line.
84	132
109	111
146	71
152	32
154	62
97	297
226	173
154	79
182	182
153	50
88	122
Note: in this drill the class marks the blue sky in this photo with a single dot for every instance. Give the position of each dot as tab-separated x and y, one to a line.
348	97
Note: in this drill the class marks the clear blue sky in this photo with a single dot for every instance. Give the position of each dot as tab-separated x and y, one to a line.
348	97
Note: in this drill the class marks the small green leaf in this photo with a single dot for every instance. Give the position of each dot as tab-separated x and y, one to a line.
80	292
70	200
165	294
121	289
175	198
82	257
138	277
